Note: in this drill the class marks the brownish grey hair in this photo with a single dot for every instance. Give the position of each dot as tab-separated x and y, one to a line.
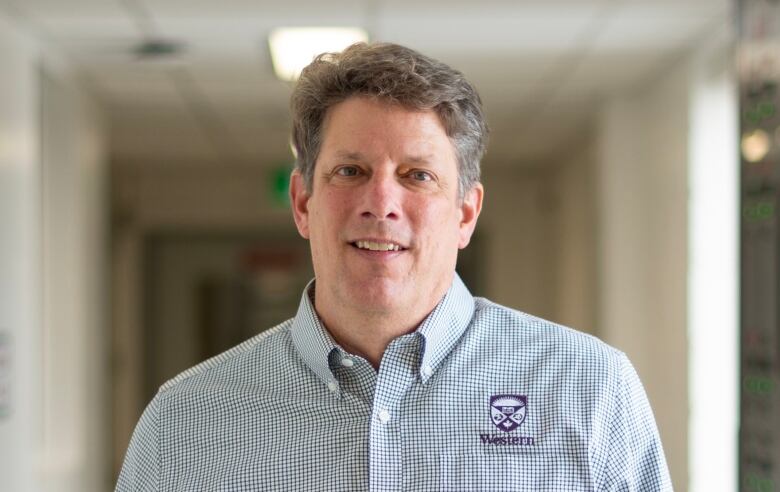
398	75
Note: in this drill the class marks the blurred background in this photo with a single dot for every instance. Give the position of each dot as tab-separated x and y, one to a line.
144	225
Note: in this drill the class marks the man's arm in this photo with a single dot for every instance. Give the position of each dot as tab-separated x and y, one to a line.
631	447
141	468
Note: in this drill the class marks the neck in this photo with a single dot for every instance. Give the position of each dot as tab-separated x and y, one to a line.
369	344
368	333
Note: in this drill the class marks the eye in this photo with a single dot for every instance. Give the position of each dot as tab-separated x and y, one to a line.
421	176
347	171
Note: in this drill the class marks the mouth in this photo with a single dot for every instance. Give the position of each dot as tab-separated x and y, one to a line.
377	245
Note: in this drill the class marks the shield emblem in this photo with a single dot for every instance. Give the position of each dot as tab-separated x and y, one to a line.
507	412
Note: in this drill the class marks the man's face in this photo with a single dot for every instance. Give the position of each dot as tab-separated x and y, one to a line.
383	219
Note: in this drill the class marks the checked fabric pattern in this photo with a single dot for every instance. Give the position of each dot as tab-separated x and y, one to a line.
290	410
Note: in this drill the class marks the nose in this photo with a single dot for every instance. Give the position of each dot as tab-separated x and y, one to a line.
381	197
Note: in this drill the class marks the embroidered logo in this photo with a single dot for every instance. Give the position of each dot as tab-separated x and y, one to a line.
507	412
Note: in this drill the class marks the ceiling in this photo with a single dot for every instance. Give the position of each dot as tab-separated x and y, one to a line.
541	66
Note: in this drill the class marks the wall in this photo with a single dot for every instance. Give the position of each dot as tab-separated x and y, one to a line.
52	273
75	253
642	209
646	150
575	293
518	228
20	265
713	270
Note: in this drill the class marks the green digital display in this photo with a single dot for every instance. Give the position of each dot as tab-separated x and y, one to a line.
757	483
758	211
758	385
760	112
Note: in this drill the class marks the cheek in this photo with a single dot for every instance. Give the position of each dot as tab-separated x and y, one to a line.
319	243
334	209
325	217
440	226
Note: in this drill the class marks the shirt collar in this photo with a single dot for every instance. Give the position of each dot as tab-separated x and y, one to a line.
311	339
440	330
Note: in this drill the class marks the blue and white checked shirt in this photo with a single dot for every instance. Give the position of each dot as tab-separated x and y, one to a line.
480	397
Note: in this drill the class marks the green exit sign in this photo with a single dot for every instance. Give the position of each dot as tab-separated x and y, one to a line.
279	184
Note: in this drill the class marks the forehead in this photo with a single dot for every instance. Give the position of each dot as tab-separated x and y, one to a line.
362	122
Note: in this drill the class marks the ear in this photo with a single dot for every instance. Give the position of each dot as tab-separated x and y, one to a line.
469	210
299	200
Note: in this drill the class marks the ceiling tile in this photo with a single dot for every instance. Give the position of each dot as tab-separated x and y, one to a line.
84	19
522	55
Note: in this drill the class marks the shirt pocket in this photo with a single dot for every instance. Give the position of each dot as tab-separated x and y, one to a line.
501	472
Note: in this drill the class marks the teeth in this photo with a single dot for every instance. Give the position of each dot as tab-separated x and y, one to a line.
370	245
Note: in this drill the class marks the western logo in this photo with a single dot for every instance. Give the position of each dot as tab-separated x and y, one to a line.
504	440
507	412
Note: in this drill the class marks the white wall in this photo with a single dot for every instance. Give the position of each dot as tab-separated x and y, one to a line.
20	260
642	211
648	143
52	278
75	255
713	270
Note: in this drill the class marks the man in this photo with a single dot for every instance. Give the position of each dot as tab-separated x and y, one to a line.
391	376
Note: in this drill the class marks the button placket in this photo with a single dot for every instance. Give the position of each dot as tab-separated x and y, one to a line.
396	376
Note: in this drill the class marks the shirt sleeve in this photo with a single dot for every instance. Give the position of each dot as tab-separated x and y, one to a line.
636	459
141	468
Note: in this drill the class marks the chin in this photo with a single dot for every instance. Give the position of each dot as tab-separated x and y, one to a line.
378	296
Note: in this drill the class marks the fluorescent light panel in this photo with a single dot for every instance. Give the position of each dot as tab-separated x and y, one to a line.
292	48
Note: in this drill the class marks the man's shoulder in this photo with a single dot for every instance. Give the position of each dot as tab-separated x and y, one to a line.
516	332
249	363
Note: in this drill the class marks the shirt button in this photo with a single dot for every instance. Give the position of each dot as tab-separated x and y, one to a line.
427	371
347	362
384	416
332	386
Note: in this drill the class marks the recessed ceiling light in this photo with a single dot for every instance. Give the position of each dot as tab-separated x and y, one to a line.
292	48
157	49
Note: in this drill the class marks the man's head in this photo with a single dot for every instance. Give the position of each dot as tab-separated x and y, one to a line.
393	74
387	189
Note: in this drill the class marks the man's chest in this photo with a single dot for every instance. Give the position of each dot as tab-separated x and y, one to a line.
501	436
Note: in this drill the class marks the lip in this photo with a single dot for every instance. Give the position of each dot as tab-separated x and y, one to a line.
378	255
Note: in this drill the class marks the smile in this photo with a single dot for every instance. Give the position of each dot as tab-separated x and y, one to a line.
378	246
